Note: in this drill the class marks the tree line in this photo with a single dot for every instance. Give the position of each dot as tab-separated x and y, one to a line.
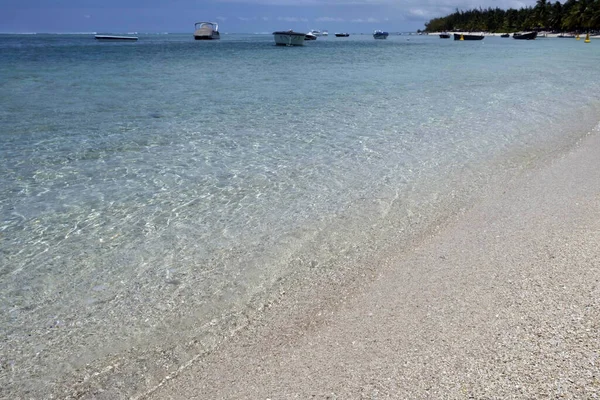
573	15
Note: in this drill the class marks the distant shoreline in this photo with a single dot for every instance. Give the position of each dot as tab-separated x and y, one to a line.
540	34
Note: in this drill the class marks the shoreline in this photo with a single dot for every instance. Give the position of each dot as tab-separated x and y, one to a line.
139	291
541	35
501	301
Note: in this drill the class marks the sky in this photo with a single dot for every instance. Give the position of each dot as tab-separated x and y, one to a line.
233	16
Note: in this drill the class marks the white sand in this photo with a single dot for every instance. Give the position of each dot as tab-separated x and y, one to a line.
540	34
503	302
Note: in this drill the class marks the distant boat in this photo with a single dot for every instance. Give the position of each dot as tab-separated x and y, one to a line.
289	38
112	37
462	36
444	35
566	36
380	34
325	33
505	35
342	34
206	31
525	36
315	32
310	36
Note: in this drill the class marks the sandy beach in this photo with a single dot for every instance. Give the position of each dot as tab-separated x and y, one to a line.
502	301
540	35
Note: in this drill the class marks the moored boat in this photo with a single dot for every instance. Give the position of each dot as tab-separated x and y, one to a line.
206	31
113	37
444	35
505	35
525	35
378	34
342	34
462	36
289	38
310	36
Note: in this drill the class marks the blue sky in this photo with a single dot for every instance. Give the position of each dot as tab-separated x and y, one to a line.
234	16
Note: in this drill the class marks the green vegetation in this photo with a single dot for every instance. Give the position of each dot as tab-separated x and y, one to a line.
573	15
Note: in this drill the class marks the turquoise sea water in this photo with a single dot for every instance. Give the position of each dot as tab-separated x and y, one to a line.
154	194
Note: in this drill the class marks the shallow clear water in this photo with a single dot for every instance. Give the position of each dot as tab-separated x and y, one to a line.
150	191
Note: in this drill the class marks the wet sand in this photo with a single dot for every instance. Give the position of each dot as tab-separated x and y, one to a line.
503	301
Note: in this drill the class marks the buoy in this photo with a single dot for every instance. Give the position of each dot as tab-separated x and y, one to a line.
587	38
577	37
461	37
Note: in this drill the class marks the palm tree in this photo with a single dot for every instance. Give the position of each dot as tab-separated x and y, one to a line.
595	21
556	15
587	13
541	13
572	15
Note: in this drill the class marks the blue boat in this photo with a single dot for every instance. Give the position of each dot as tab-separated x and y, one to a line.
380	34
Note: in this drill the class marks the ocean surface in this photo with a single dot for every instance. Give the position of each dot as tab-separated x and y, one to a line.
155	196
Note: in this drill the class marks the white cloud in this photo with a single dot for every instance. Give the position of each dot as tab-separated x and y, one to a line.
404	4
292	19
329	19
429	8
417	12
221	18
296	3
366	21
345	11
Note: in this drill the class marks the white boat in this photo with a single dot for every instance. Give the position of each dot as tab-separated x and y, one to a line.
289	38
310	36
380	34
206	31
325	33
315	32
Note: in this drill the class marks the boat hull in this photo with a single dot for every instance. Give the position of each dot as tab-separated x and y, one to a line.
208	37
116	38
383	35
525	36
342	34
444	36
289	38
457	36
